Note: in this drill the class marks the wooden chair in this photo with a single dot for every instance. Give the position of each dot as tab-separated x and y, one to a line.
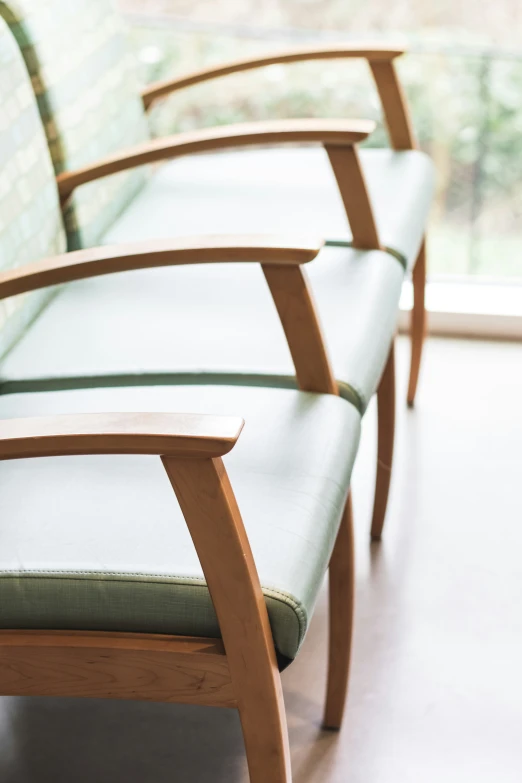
239	669
367	269
103	593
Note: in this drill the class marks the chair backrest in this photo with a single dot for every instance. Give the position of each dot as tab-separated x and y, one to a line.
83	75
31	225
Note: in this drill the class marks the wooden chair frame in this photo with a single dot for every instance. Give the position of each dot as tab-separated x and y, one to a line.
240	669
339	138
381	60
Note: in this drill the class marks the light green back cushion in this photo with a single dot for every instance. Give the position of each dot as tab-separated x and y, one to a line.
83	75
30	219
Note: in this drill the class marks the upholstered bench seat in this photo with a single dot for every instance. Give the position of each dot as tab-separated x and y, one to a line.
194	321
280	191
210	323
99	543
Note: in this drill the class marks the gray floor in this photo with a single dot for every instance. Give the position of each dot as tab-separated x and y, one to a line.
436	690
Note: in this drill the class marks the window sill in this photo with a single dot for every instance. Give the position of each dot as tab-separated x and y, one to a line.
482	309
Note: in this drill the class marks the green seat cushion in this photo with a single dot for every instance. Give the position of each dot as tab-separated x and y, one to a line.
285	190
99	542
84	77
30	219
210	323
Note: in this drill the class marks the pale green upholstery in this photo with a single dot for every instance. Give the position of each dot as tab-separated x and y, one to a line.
213	323
285	190
99	542
83	76
30	220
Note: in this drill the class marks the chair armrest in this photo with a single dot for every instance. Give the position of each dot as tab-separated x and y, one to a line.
380	58
363	50
97	261
280	260
339	138
328	132
164	434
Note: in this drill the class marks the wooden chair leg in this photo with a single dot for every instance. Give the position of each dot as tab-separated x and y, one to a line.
341	586
386	437
265	724
214	522
418	322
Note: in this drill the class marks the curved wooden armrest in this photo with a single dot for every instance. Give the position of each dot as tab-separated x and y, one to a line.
97	261
165	434
363	50
280	259
380	58
334	132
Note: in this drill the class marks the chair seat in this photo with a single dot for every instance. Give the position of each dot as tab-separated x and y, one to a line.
99	542
284	190
210	323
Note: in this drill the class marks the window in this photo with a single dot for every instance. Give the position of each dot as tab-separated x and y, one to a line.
463	82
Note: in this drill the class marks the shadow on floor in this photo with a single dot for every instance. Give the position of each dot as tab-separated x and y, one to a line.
85	740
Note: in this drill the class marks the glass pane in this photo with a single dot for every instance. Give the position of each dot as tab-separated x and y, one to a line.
464	94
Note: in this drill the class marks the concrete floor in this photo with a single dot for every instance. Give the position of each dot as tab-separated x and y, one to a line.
436	689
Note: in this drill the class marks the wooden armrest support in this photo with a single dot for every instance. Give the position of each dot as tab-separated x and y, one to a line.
367	50
336	132
165	434
93	262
